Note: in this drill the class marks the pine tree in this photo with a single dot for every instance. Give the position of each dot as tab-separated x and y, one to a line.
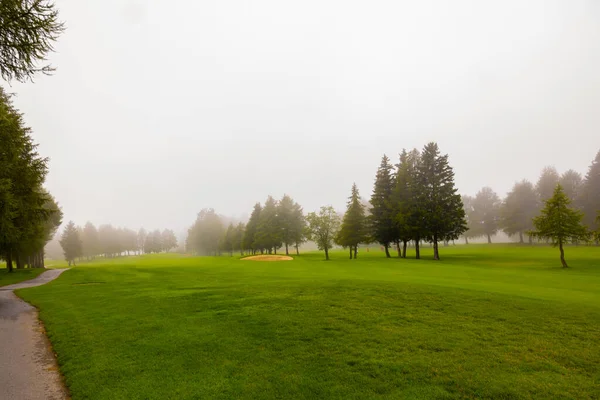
71	243
353	228
518	210
382	220
560	223
443	212
268	233
141	240
298	229
323	227
403	198
249	242
286	221
590	194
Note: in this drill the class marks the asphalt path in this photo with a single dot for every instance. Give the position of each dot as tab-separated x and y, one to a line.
28	368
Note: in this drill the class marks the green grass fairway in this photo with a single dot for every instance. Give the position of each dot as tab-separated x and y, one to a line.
18	275
495	322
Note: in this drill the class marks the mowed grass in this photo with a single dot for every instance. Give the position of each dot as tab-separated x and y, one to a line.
18	275
496	322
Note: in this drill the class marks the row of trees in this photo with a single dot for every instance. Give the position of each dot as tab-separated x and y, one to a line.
412	201
487	214
107	241
29	215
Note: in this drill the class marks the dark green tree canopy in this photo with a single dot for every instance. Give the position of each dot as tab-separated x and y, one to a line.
382	223
28	29
353	229
443	214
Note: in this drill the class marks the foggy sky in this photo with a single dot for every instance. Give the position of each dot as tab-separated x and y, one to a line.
159	109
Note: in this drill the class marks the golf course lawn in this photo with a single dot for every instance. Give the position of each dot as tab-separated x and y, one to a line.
496	322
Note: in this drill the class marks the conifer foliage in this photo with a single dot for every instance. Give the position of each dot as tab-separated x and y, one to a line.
353	230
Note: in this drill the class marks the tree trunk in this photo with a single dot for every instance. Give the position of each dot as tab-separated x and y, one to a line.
405	242
436	252
297	251
355	250
417	250
446	243
9	263
387	250
489	239
466	240
326	253
530	240
398	248
562	255
19	261
521	237
287	253
350	247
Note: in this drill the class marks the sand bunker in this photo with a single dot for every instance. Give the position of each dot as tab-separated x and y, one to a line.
268	257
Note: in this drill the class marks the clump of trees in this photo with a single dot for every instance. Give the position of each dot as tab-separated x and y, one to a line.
416	201
274	225
487	214
29	215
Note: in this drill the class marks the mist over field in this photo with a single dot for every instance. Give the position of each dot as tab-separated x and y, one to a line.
184	105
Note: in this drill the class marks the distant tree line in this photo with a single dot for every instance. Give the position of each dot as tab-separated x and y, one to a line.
487	213
89	242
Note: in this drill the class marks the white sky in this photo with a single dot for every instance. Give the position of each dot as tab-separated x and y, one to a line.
161	108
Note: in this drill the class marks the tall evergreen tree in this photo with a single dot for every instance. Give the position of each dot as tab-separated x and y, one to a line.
71	243
590	194
485	215
518	210
238	238
268	234
353	228
560	223
323	227
206	235
404	198
286	220
24	205
249	241
443	212
228	240
382	221
28	29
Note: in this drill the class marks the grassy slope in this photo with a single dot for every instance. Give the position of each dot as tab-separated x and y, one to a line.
485	322
18	275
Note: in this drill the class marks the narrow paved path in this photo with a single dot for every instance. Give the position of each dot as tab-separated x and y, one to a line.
28	369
